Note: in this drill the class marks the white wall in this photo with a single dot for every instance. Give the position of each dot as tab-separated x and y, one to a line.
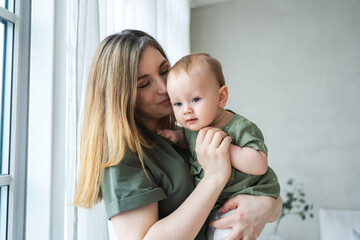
293	67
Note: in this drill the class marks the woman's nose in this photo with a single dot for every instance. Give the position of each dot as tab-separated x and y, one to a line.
161	86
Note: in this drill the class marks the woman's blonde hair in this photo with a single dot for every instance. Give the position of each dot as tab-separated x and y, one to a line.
110	126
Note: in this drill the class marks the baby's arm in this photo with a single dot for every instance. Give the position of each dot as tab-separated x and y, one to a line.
176	136
248	160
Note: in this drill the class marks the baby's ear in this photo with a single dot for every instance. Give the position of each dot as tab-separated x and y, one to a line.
223	96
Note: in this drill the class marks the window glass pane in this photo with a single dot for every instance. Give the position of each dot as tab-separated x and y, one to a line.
1	85
6	53
3	211
8	4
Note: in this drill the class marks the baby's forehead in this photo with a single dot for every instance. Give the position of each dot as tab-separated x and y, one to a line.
194	71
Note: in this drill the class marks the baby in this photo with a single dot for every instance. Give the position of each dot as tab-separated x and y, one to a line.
198	94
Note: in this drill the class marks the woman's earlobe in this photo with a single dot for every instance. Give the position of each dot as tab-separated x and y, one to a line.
223	96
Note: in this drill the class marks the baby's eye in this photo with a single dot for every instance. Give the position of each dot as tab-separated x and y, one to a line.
178	104
196	99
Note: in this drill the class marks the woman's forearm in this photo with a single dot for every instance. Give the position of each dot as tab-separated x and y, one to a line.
187	220
183	223
277	207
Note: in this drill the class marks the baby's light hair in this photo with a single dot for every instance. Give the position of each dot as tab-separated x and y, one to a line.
187	62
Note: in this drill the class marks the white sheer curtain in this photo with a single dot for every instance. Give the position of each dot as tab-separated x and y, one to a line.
89	21
166	20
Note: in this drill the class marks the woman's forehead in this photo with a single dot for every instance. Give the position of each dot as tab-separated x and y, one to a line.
150	59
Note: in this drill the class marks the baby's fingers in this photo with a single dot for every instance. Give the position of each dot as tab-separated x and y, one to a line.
159	132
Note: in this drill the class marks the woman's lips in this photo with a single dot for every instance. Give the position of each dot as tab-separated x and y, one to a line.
166	101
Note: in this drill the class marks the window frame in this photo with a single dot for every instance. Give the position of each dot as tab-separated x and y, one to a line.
19	117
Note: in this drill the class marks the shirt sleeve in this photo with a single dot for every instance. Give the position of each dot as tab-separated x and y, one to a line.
251	136
126	186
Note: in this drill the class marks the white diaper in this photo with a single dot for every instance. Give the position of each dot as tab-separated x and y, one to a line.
215	233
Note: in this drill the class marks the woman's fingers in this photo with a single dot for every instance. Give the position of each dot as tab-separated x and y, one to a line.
201	135
222	223
242	233
210	136
236	234
231	203
225	143
212	149
218	137
250	217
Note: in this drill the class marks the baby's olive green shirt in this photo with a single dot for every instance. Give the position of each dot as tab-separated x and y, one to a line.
168	180
244	134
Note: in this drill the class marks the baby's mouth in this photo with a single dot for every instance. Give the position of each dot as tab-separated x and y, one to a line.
190	120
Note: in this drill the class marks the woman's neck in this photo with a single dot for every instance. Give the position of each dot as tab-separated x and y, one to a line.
152	124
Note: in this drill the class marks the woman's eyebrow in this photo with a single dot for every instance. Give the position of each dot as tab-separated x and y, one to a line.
143	76
161	64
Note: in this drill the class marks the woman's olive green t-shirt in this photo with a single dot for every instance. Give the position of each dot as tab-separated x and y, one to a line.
126	186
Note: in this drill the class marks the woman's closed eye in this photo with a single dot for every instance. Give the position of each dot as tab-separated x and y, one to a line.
164	68
165	71
144	84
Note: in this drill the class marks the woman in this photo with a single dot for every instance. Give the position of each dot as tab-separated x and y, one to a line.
143	178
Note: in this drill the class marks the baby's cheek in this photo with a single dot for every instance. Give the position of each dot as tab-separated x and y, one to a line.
177	115
209	117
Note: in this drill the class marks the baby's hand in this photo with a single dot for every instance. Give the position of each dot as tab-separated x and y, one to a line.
176	136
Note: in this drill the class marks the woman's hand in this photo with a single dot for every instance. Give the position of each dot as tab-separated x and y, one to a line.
250	217
212	149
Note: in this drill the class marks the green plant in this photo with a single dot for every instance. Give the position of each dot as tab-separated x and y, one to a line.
295	203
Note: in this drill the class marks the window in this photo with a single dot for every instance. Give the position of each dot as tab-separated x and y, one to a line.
6	61
7	4
13	116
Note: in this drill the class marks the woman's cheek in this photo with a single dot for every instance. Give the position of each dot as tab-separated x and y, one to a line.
144	98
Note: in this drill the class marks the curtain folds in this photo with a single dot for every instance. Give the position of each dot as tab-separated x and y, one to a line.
90	21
